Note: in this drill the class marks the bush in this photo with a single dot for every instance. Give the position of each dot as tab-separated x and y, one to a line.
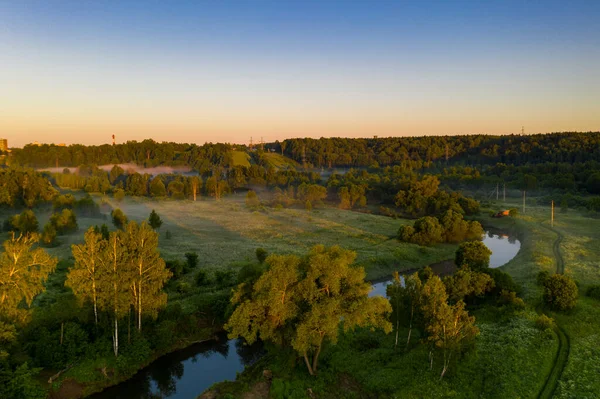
510	298
64	222
593	292
502	281
119	194
544	323
252	200
191	261
202	278
176	267
118	218
26	222
542	277
560	292
261	255
223	278
168	235
49	234
473	254
513	212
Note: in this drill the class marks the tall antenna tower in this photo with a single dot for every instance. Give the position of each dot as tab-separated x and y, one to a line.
113	139
522	130
250	142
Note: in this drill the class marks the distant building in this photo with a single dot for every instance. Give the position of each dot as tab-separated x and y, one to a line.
62	145
3	145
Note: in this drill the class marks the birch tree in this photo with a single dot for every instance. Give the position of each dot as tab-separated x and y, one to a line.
23	272
148	270
90	264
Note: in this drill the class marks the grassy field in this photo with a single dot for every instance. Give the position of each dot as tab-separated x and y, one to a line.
241	158
279	161
224	233
579	247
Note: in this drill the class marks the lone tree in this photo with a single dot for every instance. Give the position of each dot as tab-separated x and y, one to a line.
261	255
473	254
154	220
560	292
25	223
23	272
303	302
119	219
252	200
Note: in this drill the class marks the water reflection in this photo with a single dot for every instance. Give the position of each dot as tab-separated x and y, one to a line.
188	372
503	247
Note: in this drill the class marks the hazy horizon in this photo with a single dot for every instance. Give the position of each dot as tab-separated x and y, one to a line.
197	72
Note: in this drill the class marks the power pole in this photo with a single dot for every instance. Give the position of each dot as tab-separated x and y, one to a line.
496	191
522	130
504	192
552	220
524	200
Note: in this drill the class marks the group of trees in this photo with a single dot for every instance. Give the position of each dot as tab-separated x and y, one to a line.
121	274
426	150
24	187
301	303
449	227
61	222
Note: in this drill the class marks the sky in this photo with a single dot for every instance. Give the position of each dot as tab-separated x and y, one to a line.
224	71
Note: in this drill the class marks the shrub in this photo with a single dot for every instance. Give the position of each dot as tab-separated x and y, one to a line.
593	292
49	234
191	261
118	218
119	194
510	298
502	281
252	200
26	222
223	278
544	323
513	212
202	278
560	292
542	277
261	255
473	254
64	222
168	235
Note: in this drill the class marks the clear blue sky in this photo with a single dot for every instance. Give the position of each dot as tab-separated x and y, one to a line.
79	71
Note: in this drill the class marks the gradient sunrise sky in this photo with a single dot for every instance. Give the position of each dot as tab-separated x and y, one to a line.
80	71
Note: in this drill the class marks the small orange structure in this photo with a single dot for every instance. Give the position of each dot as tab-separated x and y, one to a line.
502	214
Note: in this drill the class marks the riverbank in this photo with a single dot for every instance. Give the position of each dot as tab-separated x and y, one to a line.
81	380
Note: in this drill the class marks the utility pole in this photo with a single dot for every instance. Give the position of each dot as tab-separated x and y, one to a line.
522	130
504	192
496	191
552	220
524	200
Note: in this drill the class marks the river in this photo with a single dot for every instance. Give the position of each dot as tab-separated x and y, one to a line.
503	248
187	373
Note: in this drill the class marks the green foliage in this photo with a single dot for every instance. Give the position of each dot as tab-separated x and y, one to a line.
502	281
560	292
118	218
510	299
157	187
119	194
154	220
20	383
25	222
191	259
261	255
542	277
593	291
544	323
303	303
201	278
473	254
465	284
64	222
450	227
252	200
513	212
224	278
65	201
49	234
168	235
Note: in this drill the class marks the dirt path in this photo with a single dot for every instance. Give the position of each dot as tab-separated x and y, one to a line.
562	354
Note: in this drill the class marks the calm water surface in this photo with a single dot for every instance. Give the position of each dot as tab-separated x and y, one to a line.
503	248
187	373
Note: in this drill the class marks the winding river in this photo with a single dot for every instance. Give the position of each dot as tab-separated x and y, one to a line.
189	372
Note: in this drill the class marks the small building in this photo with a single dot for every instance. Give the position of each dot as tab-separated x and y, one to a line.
3	145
